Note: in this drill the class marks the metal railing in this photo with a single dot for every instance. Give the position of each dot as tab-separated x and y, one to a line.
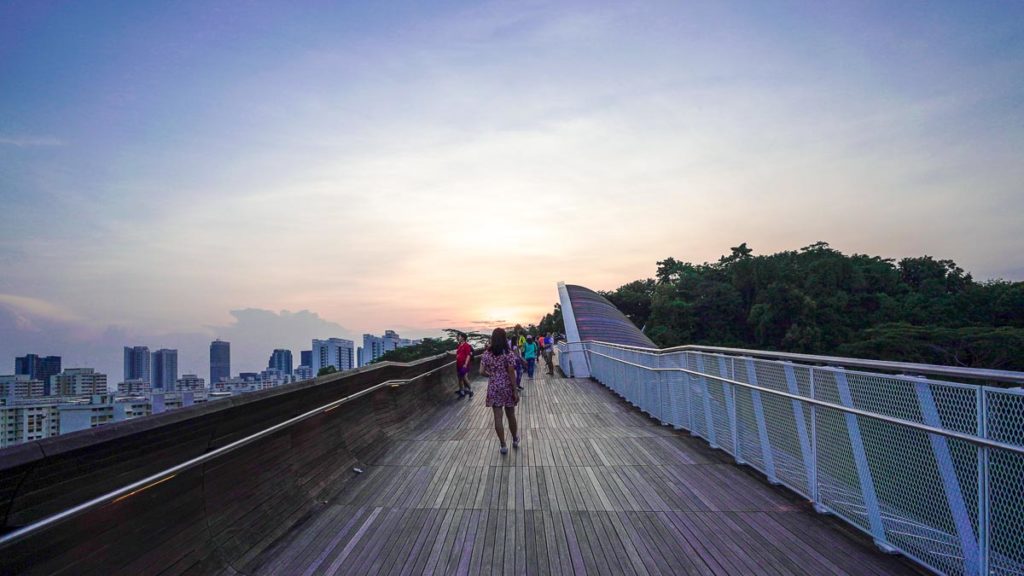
932	469
168	474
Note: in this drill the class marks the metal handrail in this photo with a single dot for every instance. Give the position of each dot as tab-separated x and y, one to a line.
1005	376
169	473
849	410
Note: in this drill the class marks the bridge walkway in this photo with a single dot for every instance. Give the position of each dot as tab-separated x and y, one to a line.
595	488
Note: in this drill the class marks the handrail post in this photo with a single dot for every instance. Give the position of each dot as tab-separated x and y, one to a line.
709	423
767	457
734	429
984	541
687	379
812	476
798	417
947	474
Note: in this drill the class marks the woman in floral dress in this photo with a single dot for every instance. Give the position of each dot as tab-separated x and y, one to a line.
498	363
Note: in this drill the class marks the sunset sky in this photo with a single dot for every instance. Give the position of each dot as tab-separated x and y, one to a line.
269	173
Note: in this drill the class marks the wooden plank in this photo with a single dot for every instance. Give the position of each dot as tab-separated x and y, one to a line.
595	488
653	560
576	549
438	541
457	536
615	528
476	563
411	523
409	562
374	549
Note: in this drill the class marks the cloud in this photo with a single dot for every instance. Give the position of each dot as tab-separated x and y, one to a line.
31	141
76	343
257	332
26	305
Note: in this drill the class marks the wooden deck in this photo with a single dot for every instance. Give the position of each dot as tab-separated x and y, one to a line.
595	488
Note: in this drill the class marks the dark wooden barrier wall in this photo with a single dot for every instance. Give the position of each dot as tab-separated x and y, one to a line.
218	516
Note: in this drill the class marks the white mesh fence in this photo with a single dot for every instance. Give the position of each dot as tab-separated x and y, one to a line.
847	441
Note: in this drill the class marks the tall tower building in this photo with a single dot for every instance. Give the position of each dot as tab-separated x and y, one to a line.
306	357
281	360
337	352
220	361
38	368
137	364
165	369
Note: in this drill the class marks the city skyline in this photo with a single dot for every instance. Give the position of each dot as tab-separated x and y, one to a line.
267	172
140	361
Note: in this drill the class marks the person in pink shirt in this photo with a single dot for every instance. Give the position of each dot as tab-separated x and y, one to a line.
498	363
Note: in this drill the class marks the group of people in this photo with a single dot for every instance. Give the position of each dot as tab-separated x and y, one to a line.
503	363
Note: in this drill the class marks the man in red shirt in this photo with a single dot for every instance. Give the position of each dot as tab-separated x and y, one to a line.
463	358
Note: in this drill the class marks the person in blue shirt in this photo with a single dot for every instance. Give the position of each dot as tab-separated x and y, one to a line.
530	353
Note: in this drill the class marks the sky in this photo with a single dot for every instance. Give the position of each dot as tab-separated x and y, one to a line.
273	172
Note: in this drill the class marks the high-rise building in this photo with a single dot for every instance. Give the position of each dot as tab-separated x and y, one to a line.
337	352
137	363
281	360
20	386
38	368
375	346
28	422
79	382
134	387
303	373
165	369
190	382
307	357
220	361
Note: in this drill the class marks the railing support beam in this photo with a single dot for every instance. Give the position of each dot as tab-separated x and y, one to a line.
860	459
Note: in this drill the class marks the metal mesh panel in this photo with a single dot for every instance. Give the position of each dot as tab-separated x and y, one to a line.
676	383
716	365
839	487
748	441
1005	409
695	391
789	444
914	490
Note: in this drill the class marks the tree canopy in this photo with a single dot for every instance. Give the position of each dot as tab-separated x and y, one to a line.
817	300
424	349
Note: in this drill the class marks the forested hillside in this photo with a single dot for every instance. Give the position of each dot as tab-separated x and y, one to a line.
817	300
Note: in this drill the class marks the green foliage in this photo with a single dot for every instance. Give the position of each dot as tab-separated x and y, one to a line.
326	370
817	300
633	300
426	348
978	346
475	339
552	322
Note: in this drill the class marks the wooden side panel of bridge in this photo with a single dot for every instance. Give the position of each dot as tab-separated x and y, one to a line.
595	488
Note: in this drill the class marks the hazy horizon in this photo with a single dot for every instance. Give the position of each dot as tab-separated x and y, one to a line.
269	173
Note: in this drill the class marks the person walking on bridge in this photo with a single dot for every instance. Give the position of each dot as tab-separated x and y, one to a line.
548	350
517	353
530	353
498	363
463	358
